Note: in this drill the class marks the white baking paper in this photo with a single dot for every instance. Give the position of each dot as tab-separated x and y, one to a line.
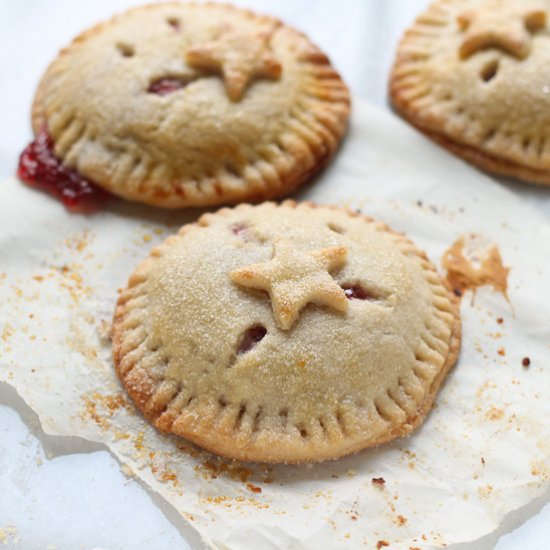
483	451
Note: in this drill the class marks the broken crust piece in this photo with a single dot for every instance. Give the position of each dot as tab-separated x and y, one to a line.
180	105
471	76
242	344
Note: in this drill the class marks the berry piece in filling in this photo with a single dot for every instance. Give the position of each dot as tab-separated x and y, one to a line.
40	168
166	86
356	292
250	338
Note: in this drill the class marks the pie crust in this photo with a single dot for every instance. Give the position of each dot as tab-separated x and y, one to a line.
285	333
472	76
184	104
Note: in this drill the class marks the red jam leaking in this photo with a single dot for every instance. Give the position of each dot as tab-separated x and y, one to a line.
40	168
166	86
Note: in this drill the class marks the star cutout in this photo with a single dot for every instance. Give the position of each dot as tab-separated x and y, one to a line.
239	57
504	24
293	278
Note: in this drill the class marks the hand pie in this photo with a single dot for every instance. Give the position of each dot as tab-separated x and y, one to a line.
472	75
285	333
180	105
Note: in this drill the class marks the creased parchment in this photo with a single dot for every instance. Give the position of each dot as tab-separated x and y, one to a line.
483	451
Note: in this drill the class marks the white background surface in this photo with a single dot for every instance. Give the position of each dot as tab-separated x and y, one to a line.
51	498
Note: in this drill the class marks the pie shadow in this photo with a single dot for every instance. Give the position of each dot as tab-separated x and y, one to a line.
368	463
151	214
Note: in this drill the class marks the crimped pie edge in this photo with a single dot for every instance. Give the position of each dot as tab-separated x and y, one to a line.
154	401
310	146
433	126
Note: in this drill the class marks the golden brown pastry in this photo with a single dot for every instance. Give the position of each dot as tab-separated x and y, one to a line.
191	105
285	333
471	74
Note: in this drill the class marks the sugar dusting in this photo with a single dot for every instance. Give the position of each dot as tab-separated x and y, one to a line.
321	501
180	468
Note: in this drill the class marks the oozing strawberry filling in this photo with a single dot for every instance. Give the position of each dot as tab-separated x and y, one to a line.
39	167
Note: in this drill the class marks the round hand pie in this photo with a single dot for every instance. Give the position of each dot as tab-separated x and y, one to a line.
285	333
472	75
185	105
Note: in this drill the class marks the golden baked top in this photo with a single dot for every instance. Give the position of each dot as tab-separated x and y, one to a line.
472	74
193	104
285	333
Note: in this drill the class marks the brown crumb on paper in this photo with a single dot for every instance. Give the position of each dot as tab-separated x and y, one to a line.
254	488
169	475
379	481
235	502
381	544
138	443
401	520
526	362
101	408
485	491
494	414
463	275
79	241
210	470
541	470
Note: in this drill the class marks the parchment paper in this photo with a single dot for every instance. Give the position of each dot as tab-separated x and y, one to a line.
483	451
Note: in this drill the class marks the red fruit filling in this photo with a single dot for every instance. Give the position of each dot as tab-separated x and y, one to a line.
165	86
40	168
174	22
356	292
244	232
241	230
250	338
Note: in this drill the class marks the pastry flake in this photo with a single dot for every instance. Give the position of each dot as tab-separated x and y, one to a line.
205	358
471	75
293	279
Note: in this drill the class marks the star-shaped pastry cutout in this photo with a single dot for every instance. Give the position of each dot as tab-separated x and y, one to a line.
293	278
238	57
504	24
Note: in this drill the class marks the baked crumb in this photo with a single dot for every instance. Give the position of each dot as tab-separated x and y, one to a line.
253	488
